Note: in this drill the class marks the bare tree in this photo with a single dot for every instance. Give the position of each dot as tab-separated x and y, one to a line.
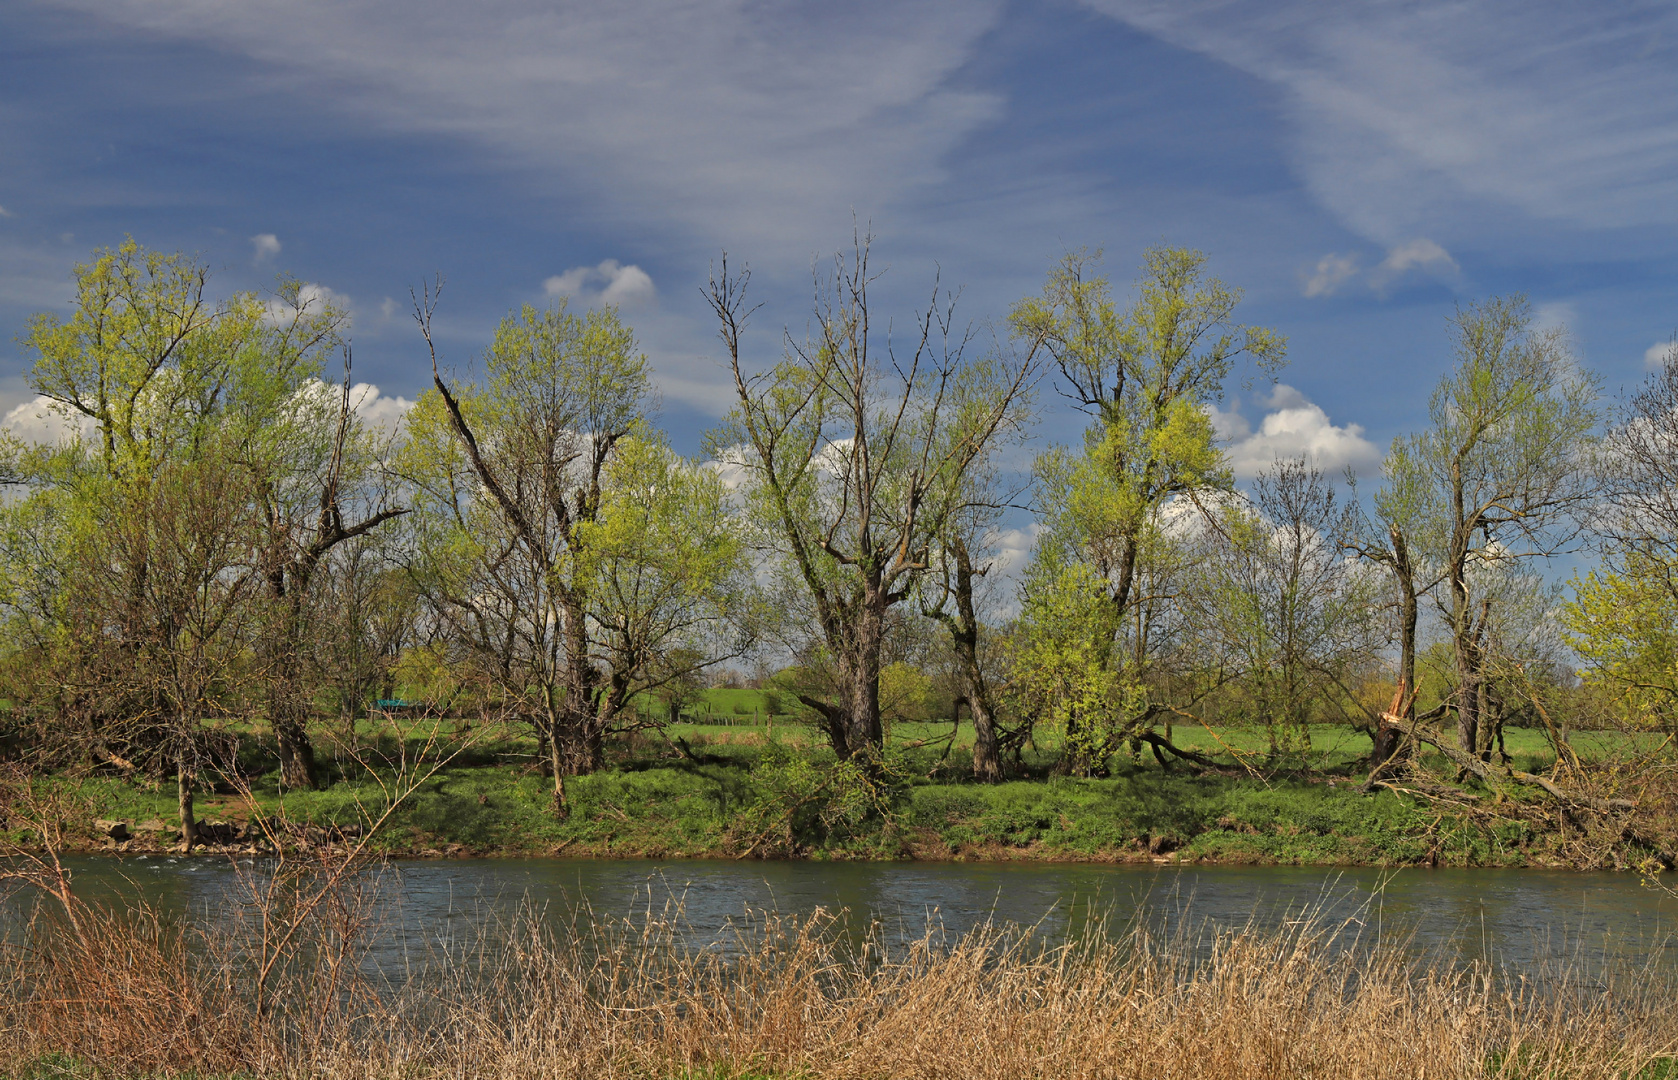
855	456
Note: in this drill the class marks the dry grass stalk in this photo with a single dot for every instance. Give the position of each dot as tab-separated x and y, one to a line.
129	995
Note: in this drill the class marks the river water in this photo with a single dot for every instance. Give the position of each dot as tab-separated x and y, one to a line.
1515	919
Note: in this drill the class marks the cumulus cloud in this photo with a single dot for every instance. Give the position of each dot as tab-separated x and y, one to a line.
1660	354
312	299
264	246
1013	548
1292	427
379	411
610	283
36	421
1332	272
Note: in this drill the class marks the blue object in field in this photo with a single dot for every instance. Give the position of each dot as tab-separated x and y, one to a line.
396	703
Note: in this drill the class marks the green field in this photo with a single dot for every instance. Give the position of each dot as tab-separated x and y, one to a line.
758	789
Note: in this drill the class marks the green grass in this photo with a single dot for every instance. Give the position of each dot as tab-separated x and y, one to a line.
656	801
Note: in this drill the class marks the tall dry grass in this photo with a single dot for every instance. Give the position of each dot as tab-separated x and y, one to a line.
130	994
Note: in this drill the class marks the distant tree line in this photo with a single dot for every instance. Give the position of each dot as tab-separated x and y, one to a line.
224	541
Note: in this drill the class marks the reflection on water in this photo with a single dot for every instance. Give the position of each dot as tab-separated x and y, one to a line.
1514	918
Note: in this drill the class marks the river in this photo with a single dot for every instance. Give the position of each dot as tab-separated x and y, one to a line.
1515	919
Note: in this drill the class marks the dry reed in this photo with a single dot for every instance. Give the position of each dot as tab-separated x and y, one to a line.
130	994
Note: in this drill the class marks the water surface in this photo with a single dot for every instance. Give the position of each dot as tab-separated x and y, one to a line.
1522	919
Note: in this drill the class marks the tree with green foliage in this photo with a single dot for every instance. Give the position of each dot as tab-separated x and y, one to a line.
180	395
1147	375
574	552
1502	473
1623	616
854	456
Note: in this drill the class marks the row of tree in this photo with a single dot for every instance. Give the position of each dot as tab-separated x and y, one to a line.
226	539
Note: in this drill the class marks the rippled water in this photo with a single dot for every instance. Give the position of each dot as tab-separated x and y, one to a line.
1513	918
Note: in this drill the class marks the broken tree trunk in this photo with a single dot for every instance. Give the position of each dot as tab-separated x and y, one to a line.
1485	770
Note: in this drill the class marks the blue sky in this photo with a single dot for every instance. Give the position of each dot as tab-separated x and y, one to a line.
1357	168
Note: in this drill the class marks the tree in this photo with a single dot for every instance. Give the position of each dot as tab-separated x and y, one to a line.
571	548
1501	473
164	588
169	380
309	461
965	550
1278	603
854	457
1402	509
1147	375
952	602
1623	617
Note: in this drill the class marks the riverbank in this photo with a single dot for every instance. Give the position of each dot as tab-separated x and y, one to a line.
730	792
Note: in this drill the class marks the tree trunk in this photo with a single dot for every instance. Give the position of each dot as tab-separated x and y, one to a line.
1468	705
575	746
863	730
987	758
544	750
183	796
297	754
557	765
1405	572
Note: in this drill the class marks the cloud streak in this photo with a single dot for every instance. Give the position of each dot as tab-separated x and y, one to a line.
1404	114
730	120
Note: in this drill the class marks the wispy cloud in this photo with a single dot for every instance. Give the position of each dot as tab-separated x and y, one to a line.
1332	272
732	121
1407	113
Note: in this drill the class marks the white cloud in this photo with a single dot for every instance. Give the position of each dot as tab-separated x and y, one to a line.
265	246
1292	427
36	421
1420	254
758	125
610	283
312	299
1660	354
1332	272
1013	548
1408	114
377	410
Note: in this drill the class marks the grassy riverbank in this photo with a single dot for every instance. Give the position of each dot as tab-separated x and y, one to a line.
765	790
